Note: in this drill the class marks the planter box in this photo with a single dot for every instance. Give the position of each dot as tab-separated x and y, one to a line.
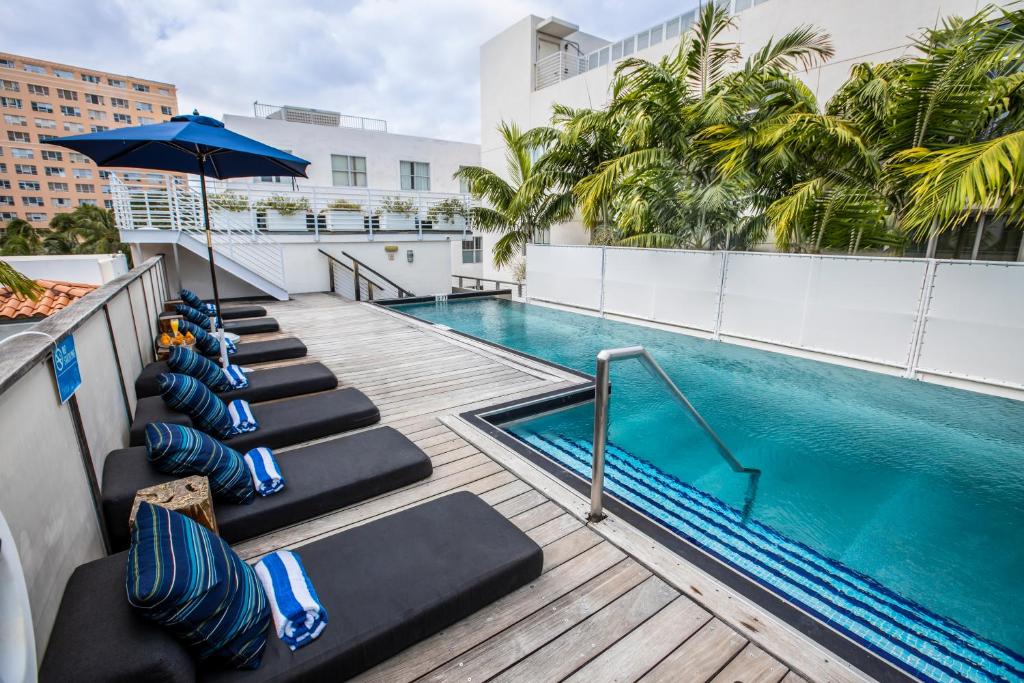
345	220
296	222
397	221
456	223
222	219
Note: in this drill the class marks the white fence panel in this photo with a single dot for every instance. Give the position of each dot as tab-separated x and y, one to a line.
565	275
764	297
974	327
674	287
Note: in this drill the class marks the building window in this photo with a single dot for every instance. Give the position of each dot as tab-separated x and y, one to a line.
45	138
87	202
116	83
473	250
45	123
9	86
415	175
86	188
165	110
348	171
164	91
28	185
8	215
139	87
15	120
145	120
22	153
98	129
32	201
11	102
143	106
77	158
42	107
118	103
122	118
5	184
61	202
93	99
72	127
97	115
34	68
67	94
463	183
108	203
57	187
70	111
56	171
18	136
7	63
155	177
84	173
104	174
90	78
50	155
62	73
132	176
35	217
6	200
3	168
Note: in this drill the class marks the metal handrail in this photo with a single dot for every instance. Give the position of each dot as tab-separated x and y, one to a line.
402	292
479	287
356	277
602	398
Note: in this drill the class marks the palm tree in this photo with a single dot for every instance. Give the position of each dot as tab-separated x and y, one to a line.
20	239
17	283
521	207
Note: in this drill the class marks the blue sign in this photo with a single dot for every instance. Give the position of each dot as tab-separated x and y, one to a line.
65	368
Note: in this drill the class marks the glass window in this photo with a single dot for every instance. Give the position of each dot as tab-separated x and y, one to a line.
56	171
46	138
57	187
38	89
70	111
11	102
32	201
122	118
116	83
98	129
1000	241
93	99
84	173
7	63
473	250
66	94
78	158
29	185
118	103
348	171
63	73
72	127
45	123
61	202
165	110
97	115
15	120
143	106
139	87
5	184
415	175
6	200
9	86
87	202
35	217
50	155
90	78
42	107
8	215
87	188
21	153
108	203
18	136
34	68
145	120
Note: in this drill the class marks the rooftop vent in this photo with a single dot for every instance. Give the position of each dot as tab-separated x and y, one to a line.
317	117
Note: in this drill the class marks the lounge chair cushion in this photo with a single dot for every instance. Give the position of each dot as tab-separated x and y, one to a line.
264	385
188	395
188	362
282	423
183	451
386	584
251	326
184	577
321	477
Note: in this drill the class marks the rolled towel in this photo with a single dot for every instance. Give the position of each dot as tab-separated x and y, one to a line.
266	477
298	615
232	348
242	419
208	309
236	376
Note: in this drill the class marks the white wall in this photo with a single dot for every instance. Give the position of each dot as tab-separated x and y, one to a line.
89	269
383	151
953	322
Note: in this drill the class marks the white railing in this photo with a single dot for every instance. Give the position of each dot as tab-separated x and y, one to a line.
558	67
317	117
174	205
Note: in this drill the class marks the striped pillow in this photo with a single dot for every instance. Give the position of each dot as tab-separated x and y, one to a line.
177	449
188	362
185	578
207	344
188	395
193	315
192	299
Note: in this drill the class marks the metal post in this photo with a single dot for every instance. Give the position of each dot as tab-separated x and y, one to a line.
601	399
355	278
213	268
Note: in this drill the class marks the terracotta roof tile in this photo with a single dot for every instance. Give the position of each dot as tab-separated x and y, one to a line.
57	295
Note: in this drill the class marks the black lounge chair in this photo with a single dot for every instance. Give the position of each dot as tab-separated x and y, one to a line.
242	326
386	585
264	385
318	478
248	353
231	312
281	423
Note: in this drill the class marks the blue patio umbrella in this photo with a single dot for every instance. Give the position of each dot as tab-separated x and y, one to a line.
188	143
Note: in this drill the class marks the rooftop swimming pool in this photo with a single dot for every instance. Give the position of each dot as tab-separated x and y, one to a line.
890	509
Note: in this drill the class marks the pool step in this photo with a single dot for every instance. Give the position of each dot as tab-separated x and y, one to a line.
894	627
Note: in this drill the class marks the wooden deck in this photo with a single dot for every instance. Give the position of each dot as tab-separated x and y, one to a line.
597	613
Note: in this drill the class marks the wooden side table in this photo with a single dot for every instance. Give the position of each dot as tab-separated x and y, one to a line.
189	496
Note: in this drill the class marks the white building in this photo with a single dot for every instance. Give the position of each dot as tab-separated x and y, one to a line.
385	200
539	62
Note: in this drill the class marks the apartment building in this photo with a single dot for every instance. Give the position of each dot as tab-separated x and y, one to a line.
537	62
41	100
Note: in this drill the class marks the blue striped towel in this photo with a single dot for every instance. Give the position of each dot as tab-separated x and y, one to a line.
266	477
230	345
242	419
209	309
298	615
236	377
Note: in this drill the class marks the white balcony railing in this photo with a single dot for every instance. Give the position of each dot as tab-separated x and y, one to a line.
558	67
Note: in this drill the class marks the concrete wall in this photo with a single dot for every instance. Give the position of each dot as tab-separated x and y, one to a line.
383	151
52	454
89	269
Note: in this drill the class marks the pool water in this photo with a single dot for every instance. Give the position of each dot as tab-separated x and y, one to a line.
890	508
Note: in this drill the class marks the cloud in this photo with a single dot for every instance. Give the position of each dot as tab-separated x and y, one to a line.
412	62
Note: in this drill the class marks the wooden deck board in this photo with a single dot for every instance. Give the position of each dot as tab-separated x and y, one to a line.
595	613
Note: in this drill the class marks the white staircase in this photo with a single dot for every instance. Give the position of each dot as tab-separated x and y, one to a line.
173	213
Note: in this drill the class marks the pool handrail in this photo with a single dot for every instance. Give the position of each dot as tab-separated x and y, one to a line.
602	398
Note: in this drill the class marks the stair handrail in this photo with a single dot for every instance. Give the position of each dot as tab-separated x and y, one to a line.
402	292
357	276
602	399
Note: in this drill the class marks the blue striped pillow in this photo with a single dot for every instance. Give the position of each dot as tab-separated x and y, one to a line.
188	395
188	362
193	315
185	578
192	299
177	449
205	342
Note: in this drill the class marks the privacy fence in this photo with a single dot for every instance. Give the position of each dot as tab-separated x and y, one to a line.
961	320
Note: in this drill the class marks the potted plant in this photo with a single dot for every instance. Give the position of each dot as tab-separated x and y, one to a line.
391	250
344	215
284	213
225	210
448	214
397	214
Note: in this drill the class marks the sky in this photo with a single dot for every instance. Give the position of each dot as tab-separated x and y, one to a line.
414	63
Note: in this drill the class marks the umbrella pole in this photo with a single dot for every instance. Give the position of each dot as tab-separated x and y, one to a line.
213	268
